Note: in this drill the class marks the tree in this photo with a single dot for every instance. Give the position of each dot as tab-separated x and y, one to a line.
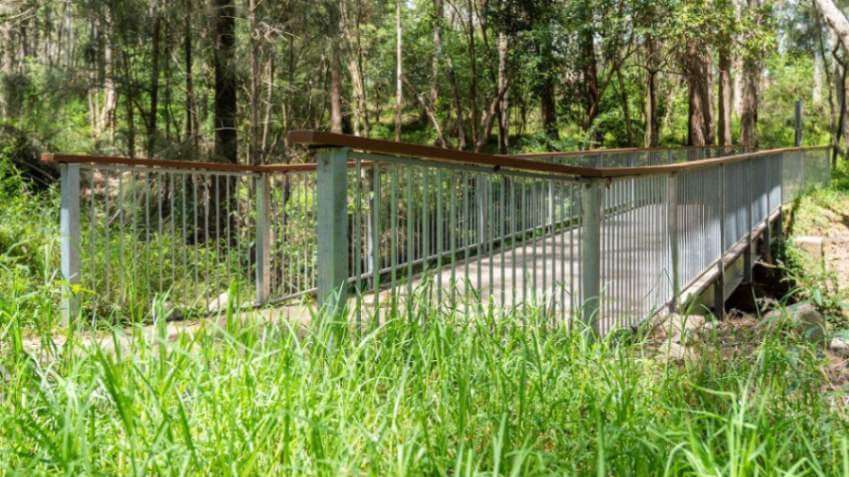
836	20
226	145
752	67
399	70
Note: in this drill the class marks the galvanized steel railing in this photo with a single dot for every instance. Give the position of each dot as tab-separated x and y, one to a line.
394	226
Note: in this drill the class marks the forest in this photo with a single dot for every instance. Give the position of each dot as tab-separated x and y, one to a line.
544	280
226	79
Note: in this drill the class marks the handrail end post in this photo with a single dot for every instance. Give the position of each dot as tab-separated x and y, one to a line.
332	227
70	238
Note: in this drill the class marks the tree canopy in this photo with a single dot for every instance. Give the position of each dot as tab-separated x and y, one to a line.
226	79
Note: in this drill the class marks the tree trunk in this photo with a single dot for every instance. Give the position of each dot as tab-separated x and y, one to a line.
129	103
725	101
226	145
254	154
191	120
458	104
433	108
840	130
399	71
350	29
590	83
503	104
548	109
335	89
153	112
835	19
652	132
626	111
697	73
751	84
106	120
473	81
437	52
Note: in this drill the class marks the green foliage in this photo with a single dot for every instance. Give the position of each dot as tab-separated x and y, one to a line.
28	249
466	395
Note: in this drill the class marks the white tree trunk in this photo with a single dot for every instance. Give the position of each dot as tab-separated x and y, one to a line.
836	20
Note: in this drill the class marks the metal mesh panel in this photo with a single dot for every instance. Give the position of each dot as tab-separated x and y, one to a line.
461	236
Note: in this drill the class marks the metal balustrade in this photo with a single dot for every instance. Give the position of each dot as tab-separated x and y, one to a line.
610	237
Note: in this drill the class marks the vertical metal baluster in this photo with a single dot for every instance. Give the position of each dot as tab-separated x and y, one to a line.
107	257
217	264
273	234
491	217
122	272
545	203
92	233
184	238
358	197
440	181
572	227
283	240
228	232
467	228
535	200
160	242
394	228
173	239
195	239
425	221
524	215
375	249
314	214
513	218
206	216
616	229
503	241
411	220
306	270
480	196
453	236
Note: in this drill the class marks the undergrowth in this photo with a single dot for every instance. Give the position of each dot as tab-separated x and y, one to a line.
442	394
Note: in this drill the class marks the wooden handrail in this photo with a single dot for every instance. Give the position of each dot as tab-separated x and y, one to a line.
180	165
325	139
496	161
318	139
617	150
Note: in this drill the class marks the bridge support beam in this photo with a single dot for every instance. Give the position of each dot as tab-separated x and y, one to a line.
69	229
332	227
592	198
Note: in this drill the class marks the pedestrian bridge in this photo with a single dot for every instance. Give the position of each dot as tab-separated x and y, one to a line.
608	237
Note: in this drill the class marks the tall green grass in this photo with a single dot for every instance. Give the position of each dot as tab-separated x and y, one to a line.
447	395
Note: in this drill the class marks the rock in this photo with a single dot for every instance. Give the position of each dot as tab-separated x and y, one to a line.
672	351
219	303
839	346
813	246
683	329
802	318
167	311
